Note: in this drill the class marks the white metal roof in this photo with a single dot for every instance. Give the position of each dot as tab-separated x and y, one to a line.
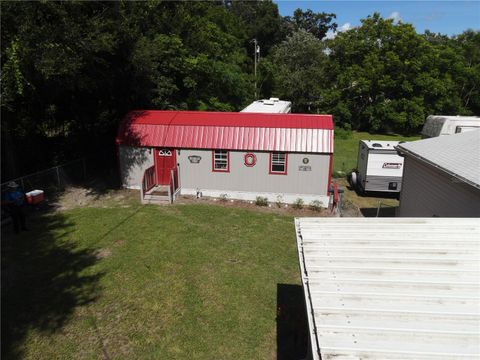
391	288
454	117
458	154
272	105
380	144
438	125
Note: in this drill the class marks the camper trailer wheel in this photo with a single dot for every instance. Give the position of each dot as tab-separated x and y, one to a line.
353	179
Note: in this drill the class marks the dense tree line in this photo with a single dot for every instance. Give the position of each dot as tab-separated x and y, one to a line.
71	70
380	76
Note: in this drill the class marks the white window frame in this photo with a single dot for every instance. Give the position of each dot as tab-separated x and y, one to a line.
276	159
221	157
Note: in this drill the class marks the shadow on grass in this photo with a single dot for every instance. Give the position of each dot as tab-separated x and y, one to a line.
373	194
44	278
102	184
389	211
292	323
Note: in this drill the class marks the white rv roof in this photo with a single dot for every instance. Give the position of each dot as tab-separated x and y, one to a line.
457	154
380	144
454	118
435	124
391	288
272	105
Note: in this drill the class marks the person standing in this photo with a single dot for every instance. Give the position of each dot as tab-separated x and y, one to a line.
14	200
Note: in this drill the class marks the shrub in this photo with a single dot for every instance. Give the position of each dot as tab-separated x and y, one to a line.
279	201
261	201
316	205
298	204
344	132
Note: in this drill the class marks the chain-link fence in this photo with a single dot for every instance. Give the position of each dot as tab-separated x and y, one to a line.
54	179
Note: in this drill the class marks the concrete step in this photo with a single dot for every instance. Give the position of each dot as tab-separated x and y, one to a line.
161	190
156	197
156	201
153	199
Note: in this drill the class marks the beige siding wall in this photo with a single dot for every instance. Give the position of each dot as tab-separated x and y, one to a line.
427	192
133	162
256	178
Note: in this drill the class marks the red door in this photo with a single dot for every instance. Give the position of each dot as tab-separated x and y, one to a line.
165	160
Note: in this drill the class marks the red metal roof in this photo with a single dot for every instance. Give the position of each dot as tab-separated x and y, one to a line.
225	130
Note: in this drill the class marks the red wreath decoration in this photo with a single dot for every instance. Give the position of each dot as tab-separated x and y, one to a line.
250	159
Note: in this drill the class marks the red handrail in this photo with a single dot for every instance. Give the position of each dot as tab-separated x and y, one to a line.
148	180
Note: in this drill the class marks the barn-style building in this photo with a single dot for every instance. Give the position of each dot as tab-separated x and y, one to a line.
282	157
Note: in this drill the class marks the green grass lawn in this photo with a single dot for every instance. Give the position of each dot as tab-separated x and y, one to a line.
346	150
146	282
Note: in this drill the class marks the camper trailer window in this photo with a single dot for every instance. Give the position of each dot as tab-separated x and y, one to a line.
392	186
460	129
278	163
221	160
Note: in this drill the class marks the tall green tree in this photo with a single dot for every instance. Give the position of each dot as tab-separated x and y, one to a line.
388	78
71	70
317	24
467	71
299	66
260	20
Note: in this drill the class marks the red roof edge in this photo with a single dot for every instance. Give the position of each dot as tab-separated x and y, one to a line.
138	127
236	119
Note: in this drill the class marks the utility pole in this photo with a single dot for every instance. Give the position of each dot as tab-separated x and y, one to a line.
256	57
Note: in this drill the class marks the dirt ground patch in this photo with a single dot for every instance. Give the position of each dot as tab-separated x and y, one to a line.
102	253
356	204
285	209
74	197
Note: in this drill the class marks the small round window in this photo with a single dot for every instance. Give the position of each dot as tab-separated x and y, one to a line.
250	159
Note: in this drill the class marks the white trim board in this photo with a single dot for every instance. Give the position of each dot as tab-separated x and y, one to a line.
251	196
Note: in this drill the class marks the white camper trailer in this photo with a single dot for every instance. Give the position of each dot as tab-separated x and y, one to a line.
438	125
379	167
272	105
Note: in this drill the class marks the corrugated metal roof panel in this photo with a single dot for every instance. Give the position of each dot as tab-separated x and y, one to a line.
458	154
397	288
233	131
234	119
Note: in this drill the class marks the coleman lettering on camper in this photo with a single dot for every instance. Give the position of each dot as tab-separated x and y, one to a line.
194	159
391	166
304	168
